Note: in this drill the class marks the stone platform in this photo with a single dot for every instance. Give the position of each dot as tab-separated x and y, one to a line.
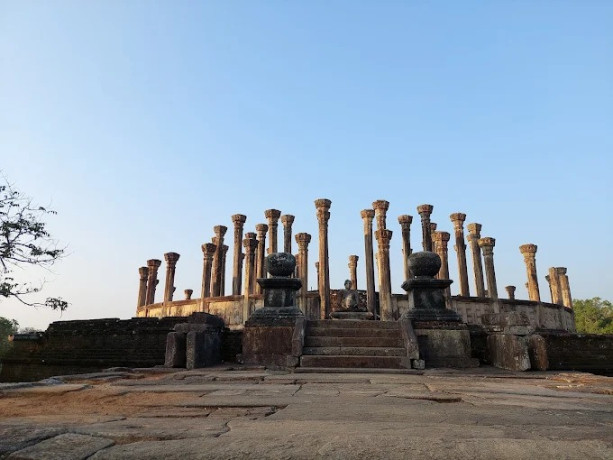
246	413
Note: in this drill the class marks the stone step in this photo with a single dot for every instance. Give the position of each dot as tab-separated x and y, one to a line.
345	361
352	324
354	351
324	341
352	332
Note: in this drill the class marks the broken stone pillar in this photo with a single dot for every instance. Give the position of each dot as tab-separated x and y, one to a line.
367	216
567	299
250	243
188	293
303	240
529	253
273	222
556	292
208	252
152	280
405	225
474	233
441	240
287	220
237	269
353	271
458	219
323	215
143	272
383	237
425	210
561	272
432	231
260	256
510	292
222	284
274	334
548	284
216	276
487	246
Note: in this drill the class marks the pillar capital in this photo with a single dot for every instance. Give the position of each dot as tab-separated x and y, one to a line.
272	214
188	293
487	242
380	205
458	219
353	260
287	219
239	220
250	244
433	227
171	258
323	203
261	229
143	272
368	214
383	237
303	239
405	220
425	209
250	235
561	270
220	230
510	292
474	229
154	264
442	238
208	249
528	250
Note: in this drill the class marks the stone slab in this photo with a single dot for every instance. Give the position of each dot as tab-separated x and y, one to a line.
68	446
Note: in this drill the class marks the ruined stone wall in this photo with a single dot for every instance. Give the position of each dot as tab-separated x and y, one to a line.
580	352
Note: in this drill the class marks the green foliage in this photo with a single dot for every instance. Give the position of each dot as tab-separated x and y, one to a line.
24	240
7	327
593	316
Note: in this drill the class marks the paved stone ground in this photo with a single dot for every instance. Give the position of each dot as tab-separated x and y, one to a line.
253	413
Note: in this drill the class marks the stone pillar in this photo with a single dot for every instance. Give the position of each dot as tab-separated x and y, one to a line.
287	220
529	253
303	240
143	272
405	224
510	292
353	271
567	299
216	276
474	233
222	284
432	230
381	207
208	252
273	222
442	239
188	293
460	247
250	243
556	292
317	271
260	256
549	284
171	265
384	237
425	210
152	280
323	215
237	268
367	217
487	246
561	272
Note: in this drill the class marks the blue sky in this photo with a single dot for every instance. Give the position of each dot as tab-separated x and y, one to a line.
144	124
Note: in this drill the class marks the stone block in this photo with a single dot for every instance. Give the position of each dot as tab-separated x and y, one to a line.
508	351
537	348
418	364
64	446
175	350
268	345
203	349
512	318
445	348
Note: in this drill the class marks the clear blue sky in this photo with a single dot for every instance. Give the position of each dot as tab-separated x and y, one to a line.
144	124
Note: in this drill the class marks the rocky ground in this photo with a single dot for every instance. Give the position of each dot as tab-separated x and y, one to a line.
253	413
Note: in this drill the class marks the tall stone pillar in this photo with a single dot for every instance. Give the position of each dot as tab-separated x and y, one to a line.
260	256
432	231
273	222
381	207
287	220
458	219
425	210
222	284
367	217
237	269
250	243
384	237
529	253
510	292
171	265
152	281
303	240
143	272
474	233
556	292
561	272
487	246
216	276
323	215
353	271
208	252
567	299
442	239
405	225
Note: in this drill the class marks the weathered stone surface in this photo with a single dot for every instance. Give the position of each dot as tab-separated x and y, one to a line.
68	446
17	437
445	347
175	350
508	351
203	349
537	349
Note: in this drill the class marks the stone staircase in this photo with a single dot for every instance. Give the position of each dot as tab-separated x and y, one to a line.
353	344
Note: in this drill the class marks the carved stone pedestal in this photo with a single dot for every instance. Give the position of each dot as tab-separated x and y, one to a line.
274	334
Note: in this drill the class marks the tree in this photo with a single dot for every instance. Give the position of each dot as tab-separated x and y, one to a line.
8	327
593	316
25	241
